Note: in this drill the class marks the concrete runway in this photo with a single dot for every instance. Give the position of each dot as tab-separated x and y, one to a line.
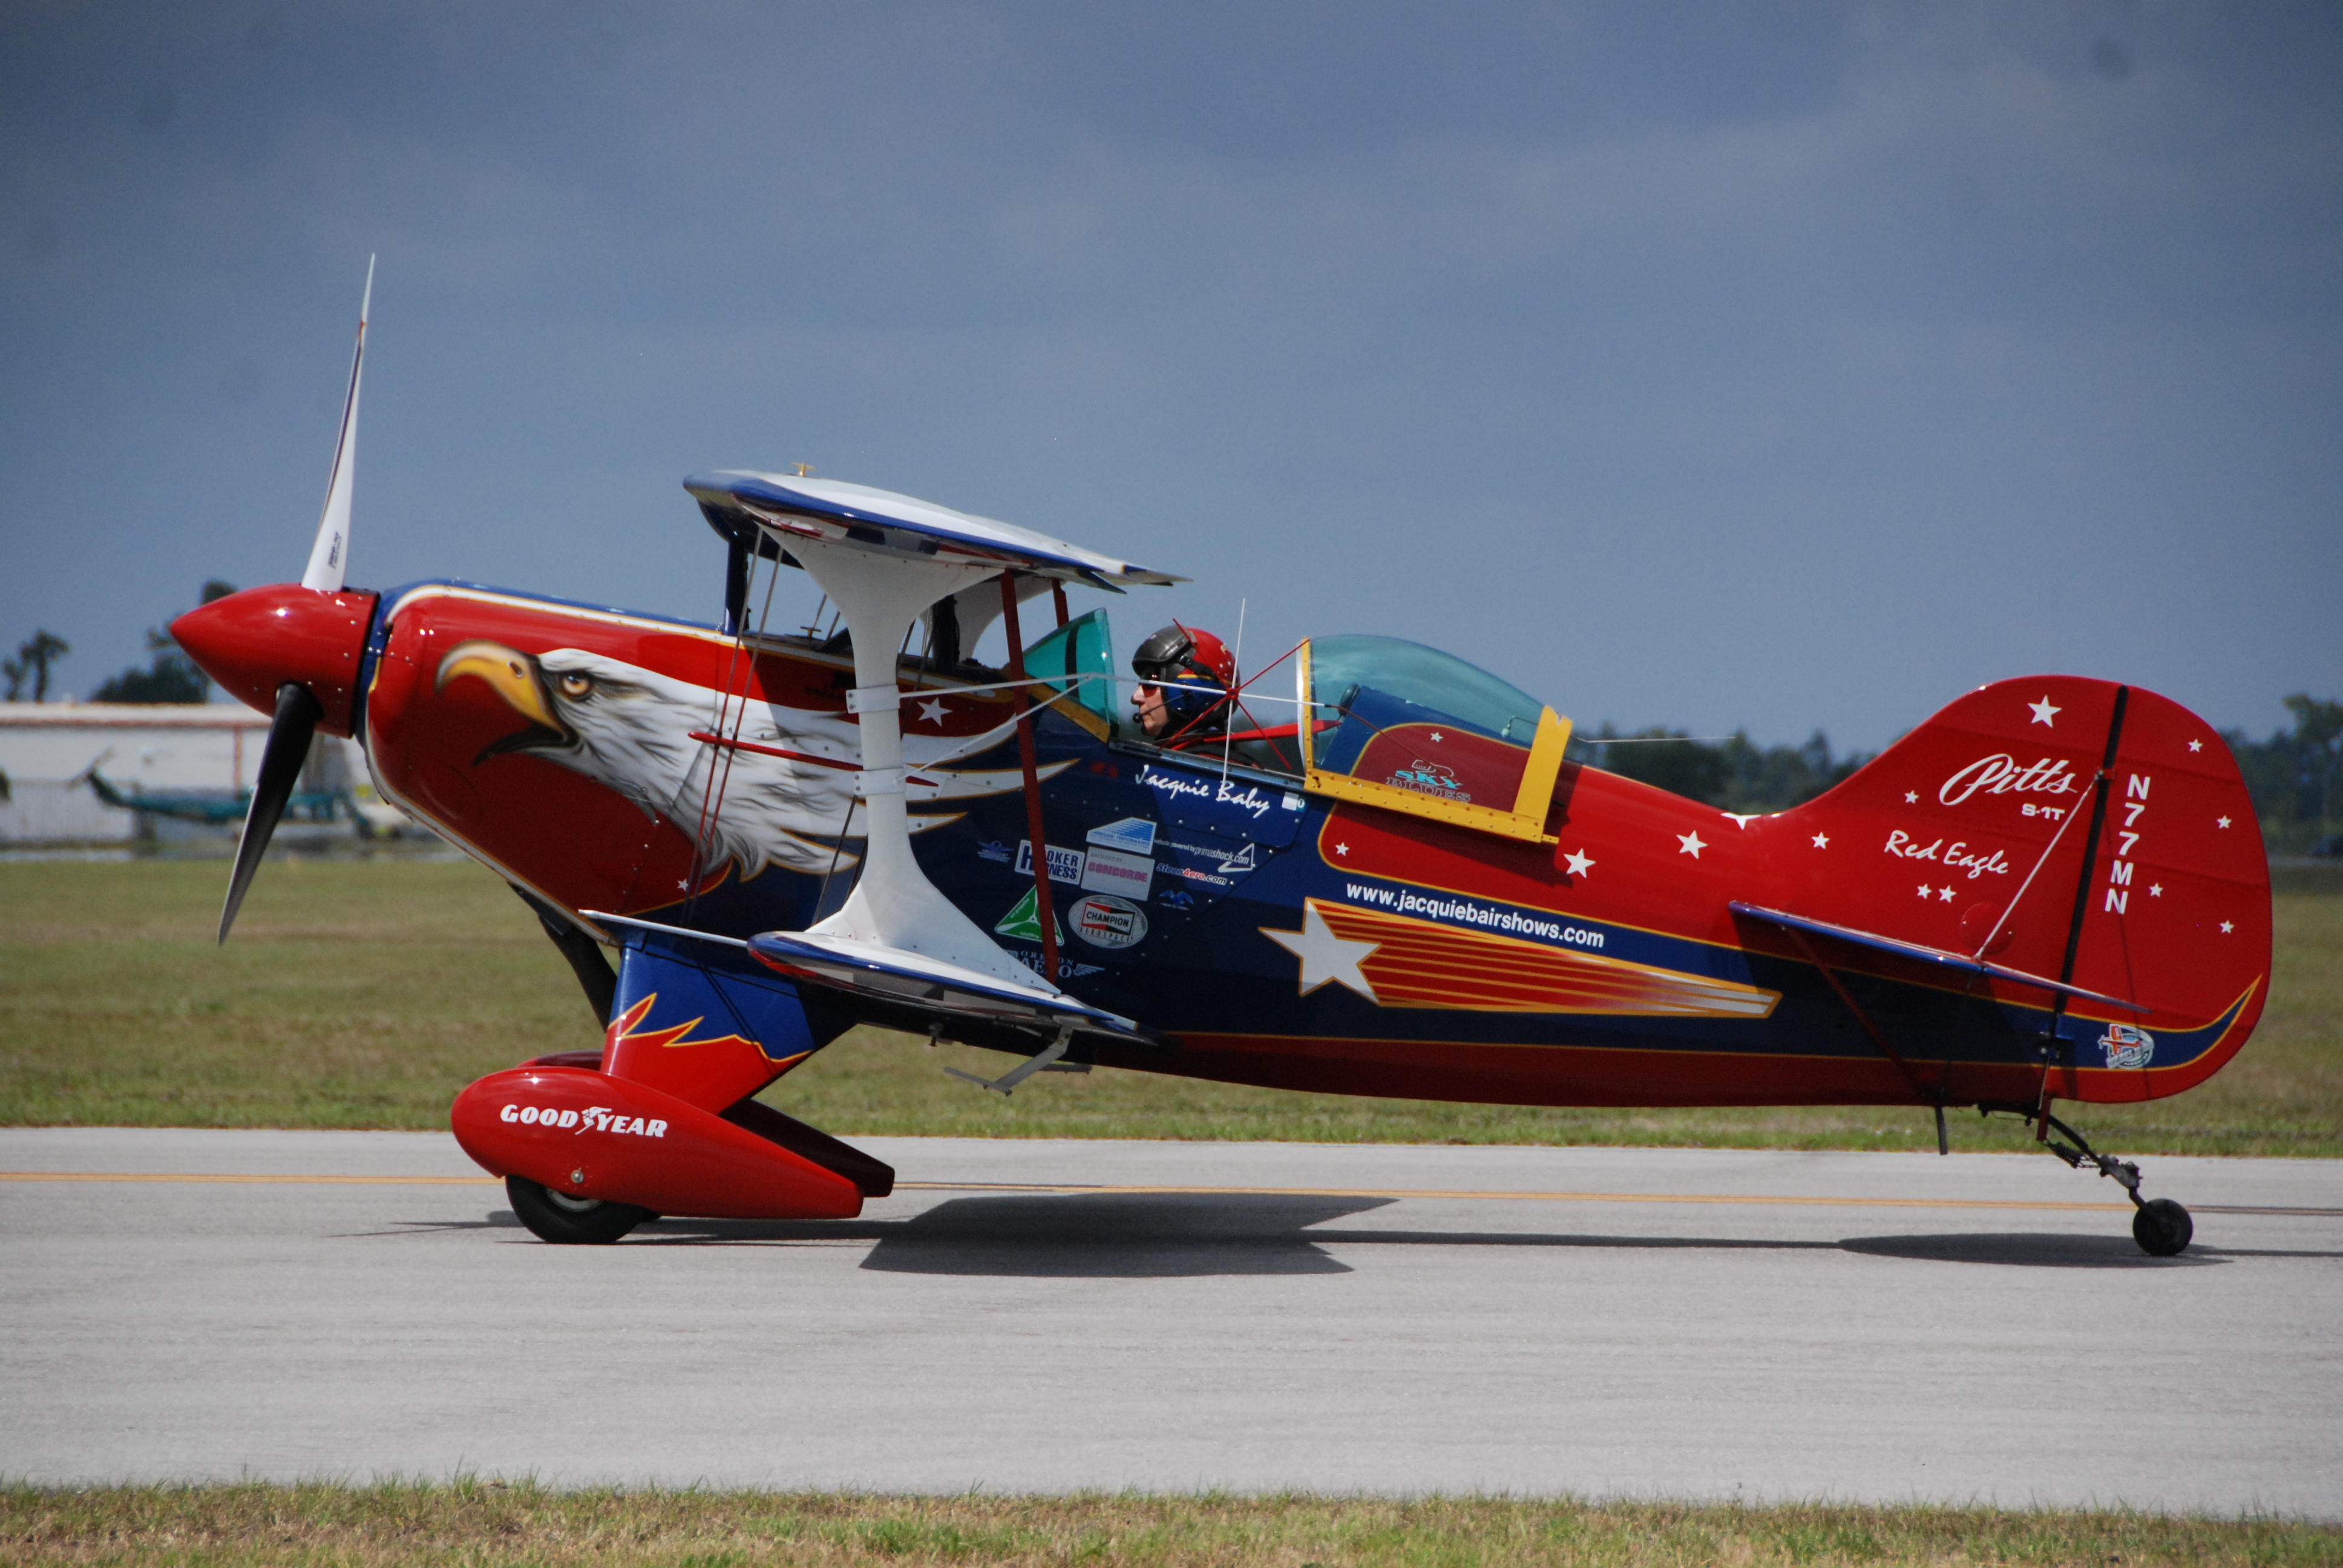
1687	1323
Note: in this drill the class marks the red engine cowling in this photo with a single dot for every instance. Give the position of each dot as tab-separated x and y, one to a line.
583	1133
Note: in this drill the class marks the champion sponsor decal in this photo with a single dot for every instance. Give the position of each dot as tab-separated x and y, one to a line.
2000	774
1473	914
1104	920
2127	1045
593	1119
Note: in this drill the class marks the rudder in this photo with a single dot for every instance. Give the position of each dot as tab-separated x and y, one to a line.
2077	830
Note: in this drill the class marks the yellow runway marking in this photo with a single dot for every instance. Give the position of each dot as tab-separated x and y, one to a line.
1077	1188
1776	1199
250	1180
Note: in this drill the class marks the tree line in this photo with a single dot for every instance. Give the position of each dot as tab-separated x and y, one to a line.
2293	775
167	675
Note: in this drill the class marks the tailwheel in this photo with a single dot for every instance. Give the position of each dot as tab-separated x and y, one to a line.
558	1217
2162	1227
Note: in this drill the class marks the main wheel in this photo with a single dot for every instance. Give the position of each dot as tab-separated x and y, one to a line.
557	1217
2162	1227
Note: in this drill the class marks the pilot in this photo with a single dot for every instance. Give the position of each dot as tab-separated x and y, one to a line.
1184	675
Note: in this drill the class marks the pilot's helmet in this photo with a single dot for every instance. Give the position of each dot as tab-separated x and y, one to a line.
1192	666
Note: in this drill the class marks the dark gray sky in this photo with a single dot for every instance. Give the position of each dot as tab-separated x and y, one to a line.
1776	366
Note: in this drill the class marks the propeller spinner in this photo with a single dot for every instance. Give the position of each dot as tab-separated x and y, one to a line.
291	650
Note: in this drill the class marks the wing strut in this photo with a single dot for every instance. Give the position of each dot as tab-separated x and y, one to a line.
1878	1035
1043	915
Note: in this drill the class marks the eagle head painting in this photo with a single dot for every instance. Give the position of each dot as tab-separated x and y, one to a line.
630	729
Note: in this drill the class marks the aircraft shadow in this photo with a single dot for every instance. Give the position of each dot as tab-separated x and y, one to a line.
1090	1235
1170	1235
2037	1250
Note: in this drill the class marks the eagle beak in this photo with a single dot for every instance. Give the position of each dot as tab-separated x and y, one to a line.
513	677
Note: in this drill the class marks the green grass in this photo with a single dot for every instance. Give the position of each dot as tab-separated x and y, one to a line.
488	1523
365	992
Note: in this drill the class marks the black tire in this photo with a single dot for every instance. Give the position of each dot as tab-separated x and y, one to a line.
2162	1227
570	1221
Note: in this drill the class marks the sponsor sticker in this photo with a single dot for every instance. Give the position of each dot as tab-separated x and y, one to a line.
593	1119
1473	914
1024	921
994	849
1429	778
1065	865
2127	1045
1112	871
1104	920
1132	836
1067	968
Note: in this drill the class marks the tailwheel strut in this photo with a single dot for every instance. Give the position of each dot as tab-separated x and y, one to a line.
2160	1226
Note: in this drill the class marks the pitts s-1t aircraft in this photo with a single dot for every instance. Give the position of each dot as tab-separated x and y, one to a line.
1385	879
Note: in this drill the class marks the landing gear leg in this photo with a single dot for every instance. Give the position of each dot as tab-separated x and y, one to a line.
2160	1226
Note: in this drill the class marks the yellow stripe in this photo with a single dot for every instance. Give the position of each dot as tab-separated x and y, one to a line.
1768	1199
1071	1188
250	1180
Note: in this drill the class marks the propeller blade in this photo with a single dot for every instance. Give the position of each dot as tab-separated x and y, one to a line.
298	712
329	554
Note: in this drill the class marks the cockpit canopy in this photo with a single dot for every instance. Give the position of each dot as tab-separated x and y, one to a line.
1391	676
1406	728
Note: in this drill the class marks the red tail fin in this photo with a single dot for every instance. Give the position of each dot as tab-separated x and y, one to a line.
2076	829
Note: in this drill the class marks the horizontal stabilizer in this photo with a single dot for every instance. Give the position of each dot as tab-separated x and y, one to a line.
1957	962
929	986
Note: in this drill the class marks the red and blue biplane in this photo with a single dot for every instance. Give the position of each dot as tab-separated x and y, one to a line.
1384	878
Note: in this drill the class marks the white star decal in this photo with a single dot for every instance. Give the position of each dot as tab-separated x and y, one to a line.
1341	849
1911	796
2195	745
1324	956
1435	738
1742	822
1690	844
2156	889
1947	894
1821	840
1578	863
932	711
1927	891
2044	713
2228	926
2221	822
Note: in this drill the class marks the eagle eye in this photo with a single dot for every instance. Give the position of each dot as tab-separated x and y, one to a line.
575	685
